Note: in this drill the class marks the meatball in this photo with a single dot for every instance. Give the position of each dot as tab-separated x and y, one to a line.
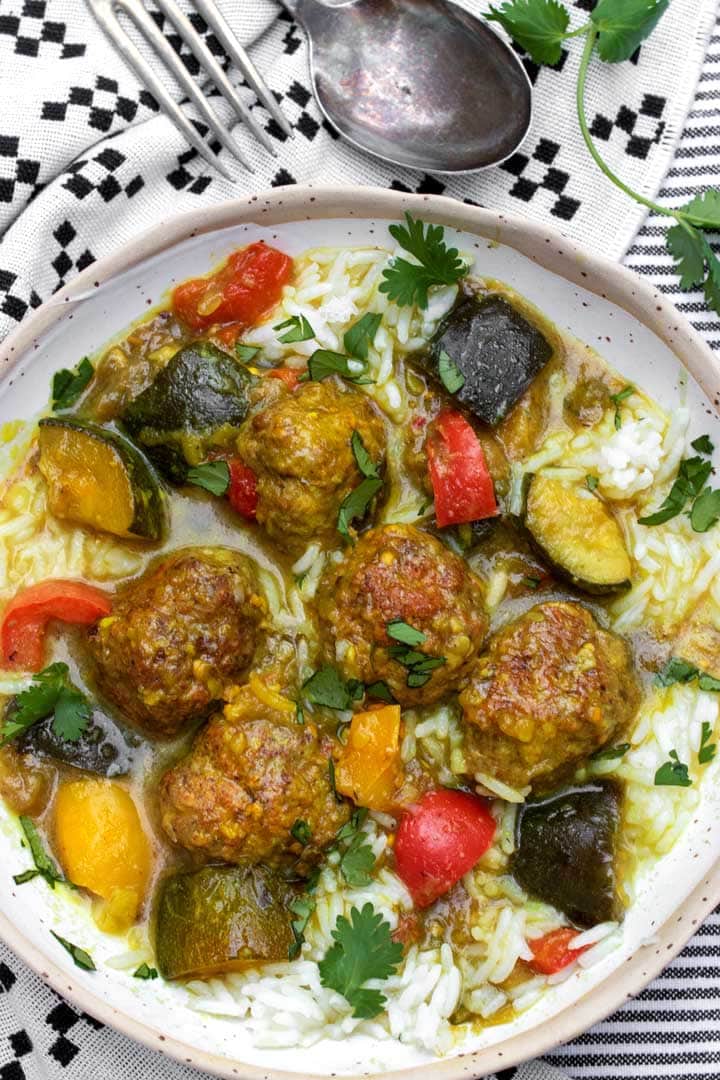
299	448
177	634
251	775
550	689
399	572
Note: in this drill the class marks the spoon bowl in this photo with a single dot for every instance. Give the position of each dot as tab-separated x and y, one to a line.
419	83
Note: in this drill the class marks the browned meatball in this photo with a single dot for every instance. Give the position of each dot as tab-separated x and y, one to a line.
251	775
177	634
399	572
551	688
299	448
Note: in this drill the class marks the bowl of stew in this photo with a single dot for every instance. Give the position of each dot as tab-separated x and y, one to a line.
359	623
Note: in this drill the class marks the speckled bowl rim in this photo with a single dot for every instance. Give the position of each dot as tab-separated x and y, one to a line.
550	251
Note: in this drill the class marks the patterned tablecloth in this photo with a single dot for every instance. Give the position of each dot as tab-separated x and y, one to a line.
86	162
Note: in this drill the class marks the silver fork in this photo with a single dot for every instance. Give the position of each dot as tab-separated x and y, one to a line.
105	13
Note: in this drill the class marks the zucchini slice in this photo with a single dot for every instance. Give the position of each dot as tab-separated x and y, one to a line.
496	350
577	535
221	918
566	851
194	404
95	477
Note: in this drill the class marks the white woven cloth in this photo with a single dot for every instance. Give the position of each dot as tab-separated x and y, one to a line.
86	162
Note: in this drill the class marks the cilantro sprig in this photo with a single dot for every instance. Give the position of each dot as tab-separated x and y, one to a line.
50	693
212	476
677	670
363	950
69	383
615	30
437	264
689	485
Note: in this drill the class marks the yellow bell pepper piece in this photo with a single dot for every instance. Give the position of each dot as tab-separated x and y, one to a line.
369	770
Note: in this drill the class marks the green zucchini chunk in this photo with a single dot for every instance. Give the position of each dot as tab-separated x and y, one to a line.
578	535
566	851
101	748
96	477
194	404
221	918
495	349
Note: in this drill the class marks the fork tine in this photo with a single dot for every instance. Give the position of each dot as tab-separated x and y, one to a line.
135	10
235	51
216	73
103	12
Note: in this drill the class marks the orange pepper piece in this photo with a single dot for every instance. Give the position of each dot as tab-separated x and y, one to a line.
369	770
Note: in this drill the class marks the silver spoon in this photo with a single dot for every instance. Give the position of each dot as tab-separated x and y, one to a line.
420	83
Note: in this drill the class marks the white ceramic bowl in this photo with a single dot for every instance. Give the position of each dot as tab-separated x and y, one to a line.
638	332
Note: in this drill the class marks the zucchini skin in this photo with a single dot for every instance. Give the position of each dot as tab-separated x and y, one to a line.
199	393
150	510
566	850
496	349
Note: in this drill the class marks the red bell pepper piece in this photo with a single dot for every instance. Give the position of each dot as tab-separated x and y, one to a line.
249	284
554	951
460	478
290	376
22	632
243	489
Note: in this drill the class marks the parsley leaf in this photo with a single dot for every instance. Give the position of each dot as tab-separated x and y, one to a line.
302	907
624	24
363	950
301	832
611	753
407	283
44	866
300	330
706	510
357	862
145	972
245	353
82	959
673	773
324	362
690	481
703	445
49	692
450	374
707	750
539	26
686	247
326	688
592	482
360	336
68	385
675	671
401	631
355	505
363	460
212	476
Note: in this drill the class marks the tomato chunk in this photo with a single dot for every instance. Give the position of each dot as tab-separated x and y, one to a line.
248	285
460	478
439	840
554	951
22	633
290	376
243	489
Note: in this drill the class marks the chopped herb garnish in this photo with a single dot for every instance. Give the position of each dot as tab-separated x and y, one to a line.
357	862
407	283
324	362
145	972
706	510
673	773
401	631
703	445
246	353
363	460
44	866
617	400
363	950
690	481
707	682
301	832
419	666
355	505
676	671
592	482
361	335
299	713
380	691
68	384
297	329
72	714
326	688
532	582
611	753
450	374
302	908
707	750
49	692
82	959
331	778
213	476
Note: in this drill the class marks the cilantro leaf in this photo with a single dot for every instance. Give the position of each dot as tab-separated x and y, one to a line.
49	692
68	384
705	511
360	336
407	283
686	247
538	26
302	907
707	750
592	482
82	959
299	330
145	972
707	682
617	400
355	504
401	631
419	665
690	480
380	691
673	773
675	671
624	24
712	281
212	476
245	353
44	866
532	582
324	362
363	460
326	688
72	714
611	753
357	862
704	210
703	445
301	832
450	374
363	950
